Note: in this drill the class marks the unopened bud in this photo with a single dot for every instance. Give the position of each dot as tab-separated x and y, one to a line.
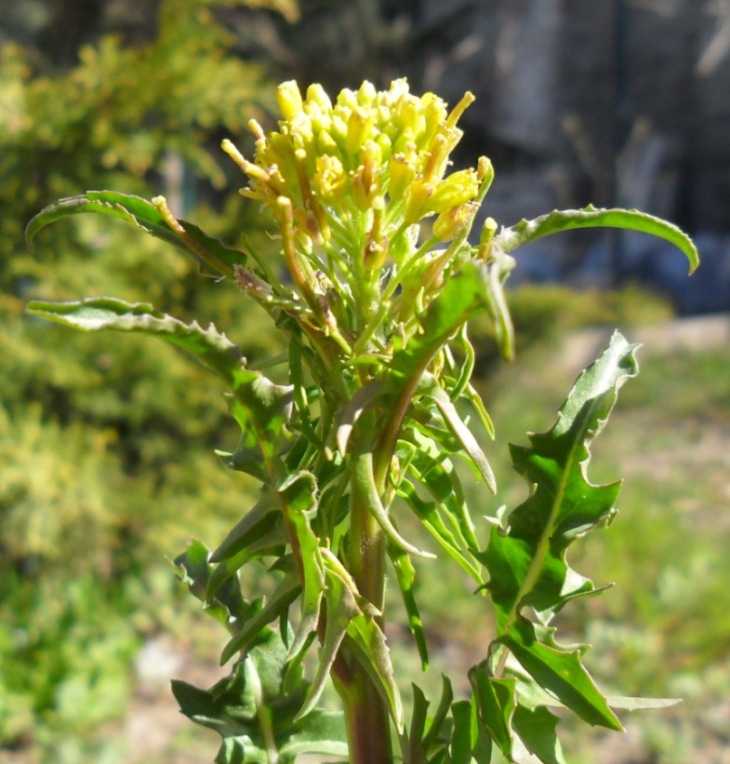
289	99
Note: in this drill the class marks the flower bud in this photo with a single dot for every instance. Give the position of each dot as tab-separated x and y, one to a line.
289	99
316	94
359	129
402	173
419	194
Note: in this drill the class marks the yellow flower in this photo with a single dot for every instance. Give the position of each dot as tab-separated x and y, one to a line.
359	172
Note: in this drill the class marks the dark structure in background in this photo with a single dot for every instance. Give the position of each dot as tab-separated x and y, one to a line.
614	102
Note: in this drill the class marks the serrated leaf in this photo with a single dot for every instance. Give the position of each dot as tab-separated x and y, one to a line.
96	314
527	563
258	403
253	715
564	220
561	673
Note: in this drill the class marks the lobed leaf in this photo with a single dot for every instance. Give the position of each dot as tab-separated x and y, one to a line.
255	718
527	563
226	605
526	559
560	672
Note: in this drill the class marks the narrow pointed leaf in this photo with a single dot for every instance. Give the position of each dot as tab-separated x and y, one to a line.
281	598
428	514
260	520
299	502
436	723
147	217
461	298
96	314
590	217
363	474
497	700
641	704
406	574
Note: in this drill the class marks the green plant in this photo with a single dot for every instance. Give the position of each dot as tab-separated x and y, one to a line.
358	421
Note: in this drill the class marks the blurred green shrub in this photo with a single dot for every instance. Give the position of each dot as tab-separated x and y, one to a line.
96	464
541	312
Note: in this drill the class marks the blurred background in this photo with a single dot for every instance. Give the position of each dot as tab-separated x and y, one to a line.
106	447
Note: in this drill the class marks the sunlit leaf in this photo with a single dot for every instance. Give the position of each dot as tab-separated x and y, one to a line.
590	217
147	217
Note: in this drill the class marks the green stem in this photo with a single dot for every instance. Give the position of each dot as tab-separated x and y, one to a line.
366	713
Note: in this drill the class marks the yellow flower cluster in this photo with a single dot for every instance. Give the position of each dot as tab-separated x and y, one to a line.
380	153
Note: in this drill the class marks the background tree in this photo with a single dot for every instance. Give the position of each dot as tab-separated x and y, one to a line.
139	100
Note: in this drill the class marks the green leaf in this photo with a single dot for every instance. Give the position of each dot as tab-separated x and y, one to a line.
261	407
406	575
149	218
297	497
195	570
461	298
470	741
427	513
496	699
436	723
363	473
471	447
526	559
277	603
96	314
259	522
641	704
526	563
322	733
554	222
537	730
342	607
255	718
561	673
